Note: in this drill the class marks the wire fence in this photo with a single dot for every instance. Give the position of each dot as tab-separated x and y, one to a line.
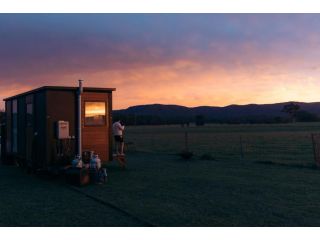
291	149
283	147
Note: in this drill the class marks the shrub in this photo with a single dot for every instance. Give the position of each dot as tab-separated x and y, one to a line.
207	156
186	154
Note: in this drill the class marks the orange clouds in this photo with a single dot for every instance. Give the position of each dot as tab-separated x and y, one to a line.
189	60
192	83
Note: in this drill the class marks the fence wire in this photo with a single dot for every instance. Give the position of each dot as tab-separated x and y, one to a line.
285	147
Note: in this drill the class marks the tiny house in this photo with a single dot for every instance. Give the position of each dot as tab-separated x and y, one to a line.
51	124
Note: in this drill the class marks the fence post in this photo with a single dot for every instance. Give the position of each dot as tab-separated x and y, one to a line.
241	148
314	150
186	142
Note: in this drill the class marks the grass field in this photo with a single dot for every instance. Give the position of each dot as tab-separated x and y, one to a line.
161	189
283	143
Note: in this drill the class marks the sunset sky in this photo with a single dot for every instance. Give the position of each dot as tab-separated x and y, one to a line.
185	59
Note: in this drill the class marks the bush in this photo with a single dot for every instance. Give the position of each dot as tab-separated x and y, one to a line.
186	154
207	156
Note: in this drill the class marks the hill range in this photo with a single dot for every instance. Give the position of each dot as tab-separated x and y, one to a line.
232	113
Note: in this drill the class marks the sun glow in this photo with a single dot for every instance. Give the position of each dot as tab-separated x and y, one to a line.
189	59
93	109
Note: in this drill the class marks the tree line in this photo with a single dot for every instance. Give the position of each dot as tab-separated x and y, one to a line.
2	116
293	112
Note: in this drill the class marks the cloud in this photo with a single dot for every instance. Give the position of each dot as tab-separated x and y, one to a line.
189	59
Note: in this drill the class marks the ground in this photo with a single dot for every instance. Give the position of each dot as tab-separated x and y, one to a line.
161	189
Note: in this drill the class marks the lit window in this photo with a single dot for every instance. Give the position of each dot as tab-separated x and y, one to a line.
95	113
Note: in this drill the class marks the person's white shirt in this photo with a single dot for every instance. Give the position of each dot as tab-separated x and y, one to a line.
117	129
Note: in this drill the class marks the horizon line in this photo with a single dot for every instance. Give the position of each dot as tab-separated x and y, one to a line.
247	104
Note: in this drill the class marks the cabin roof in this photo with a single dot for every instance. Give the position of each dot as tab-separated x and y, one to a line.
62	88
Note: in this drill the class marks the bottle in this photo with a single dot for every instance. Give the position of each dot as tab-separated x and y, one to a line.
93	162
80	163
105	175
98	161
75	161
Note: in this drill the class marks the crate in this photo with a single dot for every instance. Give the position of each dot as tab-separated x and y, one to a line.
78	176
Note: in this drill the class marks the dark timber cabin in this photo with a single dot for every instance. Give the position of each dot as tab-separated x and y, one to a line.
42	125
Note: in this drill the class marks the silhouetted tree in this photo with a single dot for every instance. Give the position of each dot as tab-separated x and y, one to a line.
2	119
199	120
280	120
304	116
291	109
2	116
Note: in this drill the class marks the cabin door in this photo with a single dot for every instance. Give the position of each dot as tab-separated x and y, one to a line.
95	124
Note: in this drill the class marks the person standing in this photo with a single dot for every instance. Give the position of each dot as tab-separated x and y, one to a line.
117	129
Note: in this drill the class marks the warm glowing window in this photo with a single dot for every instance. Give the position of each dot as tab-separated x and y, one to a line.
95	113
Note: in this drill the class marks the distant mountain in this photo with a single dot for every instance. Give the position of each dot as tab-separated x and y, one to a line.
159	113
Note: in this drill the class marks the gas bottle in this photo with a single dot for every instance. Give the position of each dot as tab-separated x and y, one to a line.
95	162
80	163
98	160
105	175
77	162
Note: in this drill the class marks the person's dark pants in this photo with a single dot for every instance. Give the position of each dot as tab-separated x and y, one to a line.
119	143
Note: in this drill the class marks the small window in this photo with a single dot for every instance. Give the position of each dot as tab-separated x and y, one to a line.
15	106
95	113
29	110
29	114
9	132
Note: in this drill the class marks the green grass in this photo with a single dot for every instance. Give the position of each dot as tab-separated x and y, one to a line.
283	143
162	189
29	201
168	191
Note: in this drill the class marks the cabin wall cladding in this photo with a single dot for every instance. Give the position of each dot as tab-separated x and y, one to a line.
21	127
39	147
61	105
31	136
29	126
